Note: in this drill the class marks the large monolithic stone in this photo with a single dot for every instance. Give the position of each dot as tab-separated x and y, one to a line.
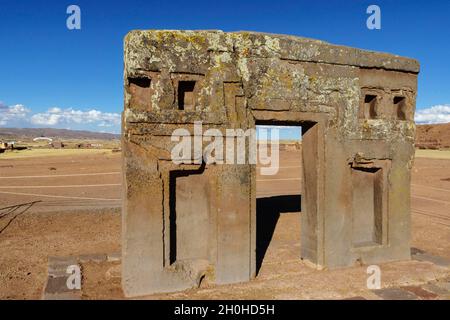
186	222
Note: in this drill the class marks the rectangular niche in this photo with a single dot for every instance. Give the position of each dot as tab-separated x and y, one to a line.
368	206
187	88
400	107
139	88
369	107
189	218
186	98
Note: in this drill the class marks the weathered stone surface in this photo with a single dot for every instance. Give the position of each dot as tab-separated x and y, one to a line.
183	222
57	266
63	296
421	292
92	258
438	290
56	286
440	261
62	261
395	294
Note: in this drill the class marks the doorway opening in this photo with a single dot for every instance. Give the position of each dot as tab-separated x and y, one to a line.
282	198
278	196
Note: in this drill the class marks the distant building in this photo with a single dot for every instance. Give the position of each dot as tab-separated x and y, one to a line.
57	144
89	145
84	145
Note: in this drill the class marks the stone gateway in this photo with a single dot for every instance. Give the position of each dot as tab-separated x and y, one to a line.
186	222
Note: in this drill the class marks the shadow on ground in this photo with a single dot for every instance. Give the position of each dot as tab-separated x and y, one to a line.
268	212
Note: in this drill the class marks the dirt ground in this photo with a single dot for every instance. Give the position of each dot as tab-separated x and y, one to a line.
63	180
79	213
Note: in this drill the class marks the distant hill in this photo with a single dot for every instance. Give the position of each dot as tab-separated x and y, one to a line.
62	134
433	136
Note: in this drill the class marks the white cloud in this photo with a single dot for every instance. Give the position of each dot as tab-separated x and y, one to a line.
19	115
49	119
435	114
54	110
11	114
58	116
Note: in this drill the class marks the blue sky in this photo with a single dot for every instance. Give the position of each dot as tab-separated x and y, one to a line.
51	76
270	133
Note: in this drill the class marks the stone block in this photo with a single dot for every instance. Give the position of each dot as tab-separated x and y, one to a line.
92	258
395	294
355	107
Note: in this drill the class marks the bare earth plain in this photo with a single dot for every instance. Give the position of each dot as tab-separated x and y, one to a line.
78	213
